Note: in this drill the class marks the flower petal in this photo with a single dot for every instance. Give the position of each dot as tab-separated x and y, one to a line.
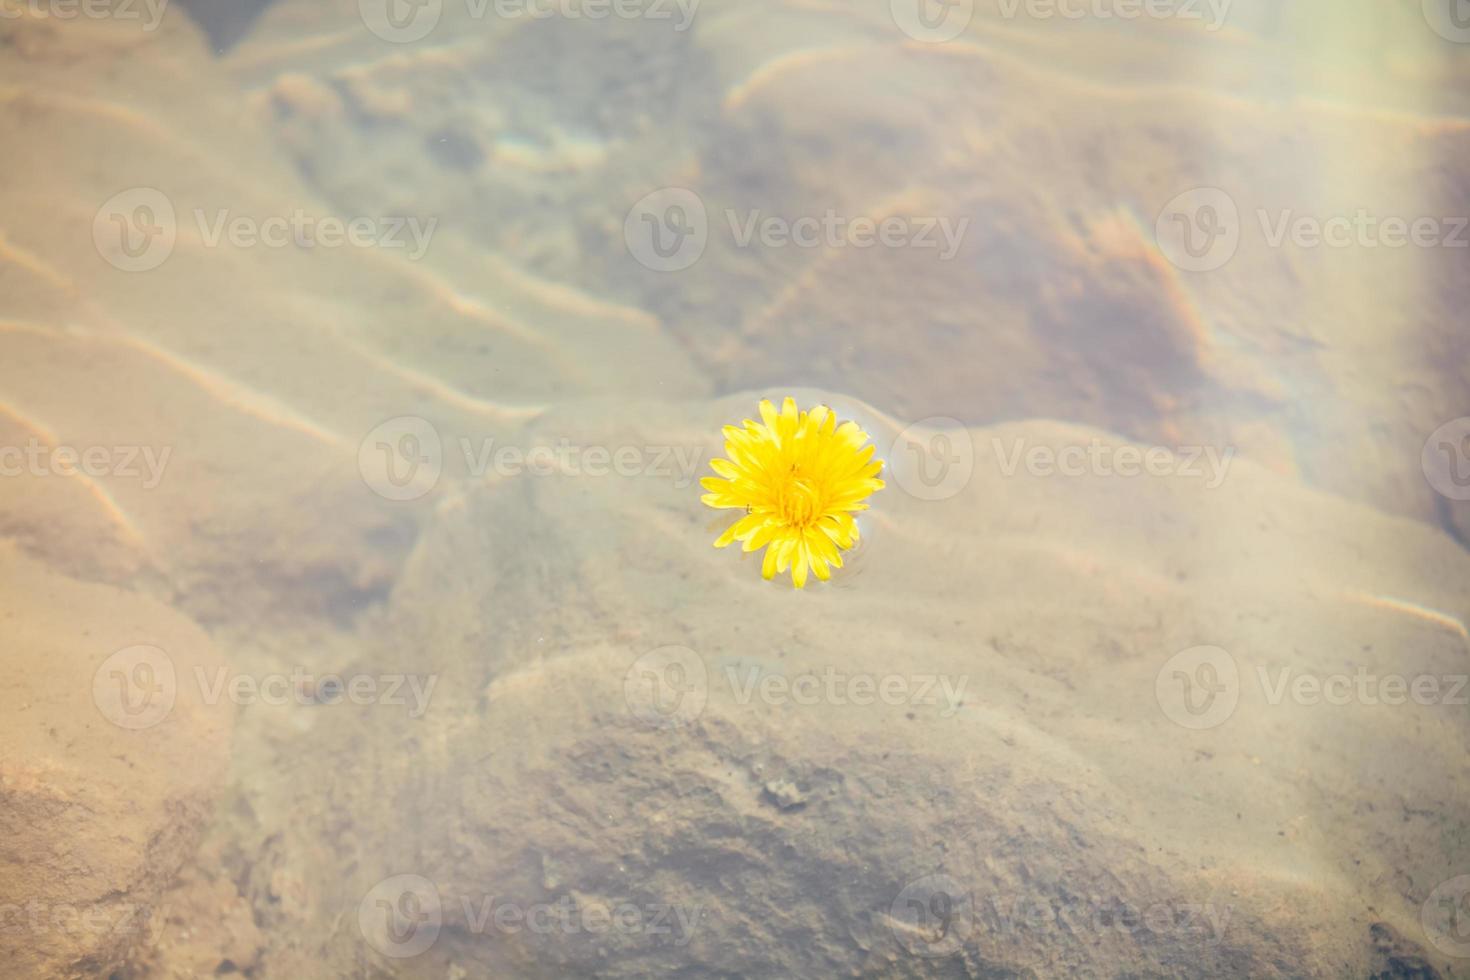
725	468
762	535
722	501
799	566
725	539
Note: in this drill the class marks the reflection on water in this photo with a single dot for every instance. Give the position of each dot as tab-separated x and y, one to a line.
363	361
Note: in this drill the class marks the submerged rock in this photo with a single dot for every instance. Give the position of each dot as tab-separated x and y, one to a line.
110	760
968	756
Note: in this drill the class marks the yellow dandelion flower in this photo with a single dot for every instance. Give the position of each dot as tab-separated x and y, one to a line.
799	477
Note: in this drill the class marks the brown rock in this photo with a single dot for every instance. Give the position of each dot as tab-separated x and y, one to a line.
109	761
1032	799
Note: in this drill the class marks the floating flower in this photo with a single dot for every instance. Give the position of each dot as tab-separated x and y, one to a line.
799	477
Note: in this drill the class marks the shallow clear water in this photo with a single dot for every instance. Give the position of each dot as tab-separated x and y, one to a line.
365	376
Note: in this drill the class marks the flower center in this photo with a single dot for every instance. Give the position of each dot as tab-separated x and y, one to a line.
797	502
